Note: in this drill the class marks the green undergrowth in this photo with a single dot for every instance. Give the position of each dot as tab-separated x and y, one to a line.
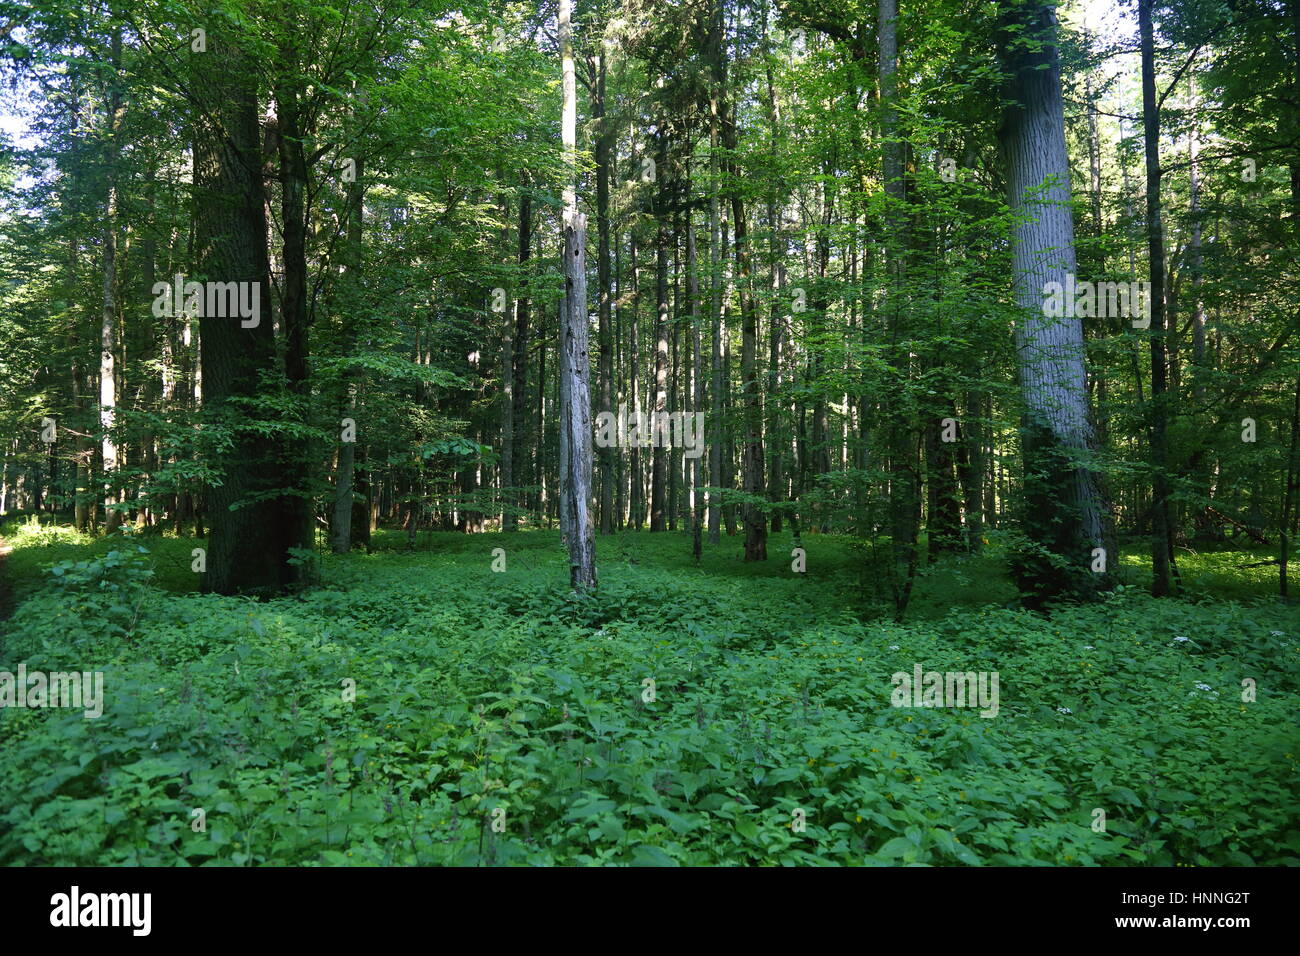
714	714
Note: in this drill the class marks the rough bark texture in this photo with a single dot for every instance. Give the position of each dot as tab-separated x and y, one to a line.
575	395
1062	518
245	552
575	411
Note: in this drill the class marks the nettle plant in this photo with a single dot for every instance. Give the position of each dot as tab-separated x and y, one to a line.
110	590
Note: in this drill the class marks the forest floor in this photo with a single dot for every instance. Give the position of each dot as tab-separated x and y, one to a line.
418	707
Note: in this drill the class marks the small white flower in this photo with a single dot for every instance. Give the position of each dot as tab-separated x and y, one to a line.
1278	633
893	647
1064	710
1200	686
1089	647
1182	640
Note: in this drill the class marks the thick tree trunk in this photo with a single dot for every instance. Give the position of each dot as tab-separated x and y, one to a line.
245	551
1062	506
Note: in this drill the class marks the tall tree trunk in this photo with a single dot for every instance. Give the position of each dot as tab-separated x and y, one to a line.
519	355
1162	533
108	323
540	421
618	393
84	450
1062	508
1197	259
604	150
295	508
245	551
506	412
903	478
717	397
636	491
776	285
341	530
697	379
575	402
755	518
659	408
514	371
675	457
728	457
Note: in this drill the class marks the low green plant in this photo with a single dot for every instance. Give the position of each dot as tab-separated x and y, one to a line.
420	708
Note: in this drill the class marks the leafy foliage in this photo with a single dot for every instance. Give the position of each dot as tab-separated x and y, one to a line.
478	690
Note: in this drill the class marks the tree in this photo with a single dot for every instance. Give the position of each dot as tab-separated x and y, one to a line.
1162	545
1061	507
247	548
903	484
575	396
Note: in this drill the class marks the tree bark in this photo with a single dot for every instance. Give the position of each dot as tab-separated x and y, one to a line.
575	396
295	506
903	479
245	551
108	323
1062	508
1162	539
604	149
341	532
697	379
659	408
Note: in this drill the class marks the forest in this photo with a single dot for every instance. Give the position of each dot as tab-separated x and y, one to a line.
649	432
